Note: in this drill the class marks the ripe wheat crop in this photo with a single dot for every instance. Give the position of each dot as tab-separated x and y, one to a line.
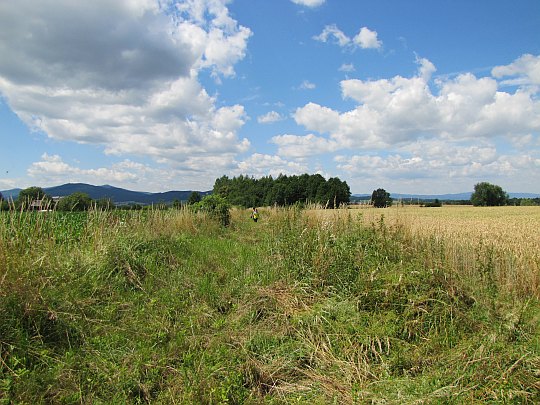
506	237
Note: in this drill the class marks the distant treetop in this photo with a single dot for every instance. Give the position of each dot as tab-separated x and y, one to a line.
283	190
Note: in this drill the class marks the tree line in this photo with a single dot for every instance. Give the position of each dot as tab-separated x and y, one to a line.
247	191
283	190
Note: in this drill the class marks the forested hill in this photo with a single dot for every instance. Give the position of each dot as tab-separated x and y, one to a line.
283	190
119	195
116	194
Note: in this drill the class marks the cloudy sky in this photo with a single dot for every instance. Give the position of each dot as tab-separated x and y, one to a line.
423	96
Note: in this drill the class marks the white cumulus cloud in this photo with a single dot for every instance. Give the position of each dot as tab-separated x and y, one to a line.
332	32
365	39
196	173
525	70
52	170
260	165
303	146
269	117
431	166
318	118
124	75
398	110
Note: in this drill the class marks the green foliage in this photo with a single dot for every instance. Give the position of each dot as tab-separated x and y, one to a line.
75	202
194	198
104	204
154	307
488	195
528	202
435	203
31	194
282	191
216	207
381	198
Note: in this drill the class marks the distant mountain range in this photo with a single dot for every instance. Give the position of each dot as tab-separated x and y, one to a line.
116	194
442	197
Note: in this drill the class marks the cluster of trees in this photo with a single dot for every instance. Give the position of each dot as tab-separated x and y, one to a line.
524	201
283	190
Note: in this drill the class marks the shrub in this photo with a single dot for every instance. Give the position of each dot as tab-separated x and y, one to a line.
435	203
215	206
75	202
194	197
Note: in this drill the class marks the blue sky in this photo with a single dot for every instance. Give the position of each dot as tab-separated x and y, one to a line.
420	96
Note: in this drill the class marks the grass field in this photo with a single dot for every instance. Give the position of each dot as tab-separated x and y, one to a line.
398	305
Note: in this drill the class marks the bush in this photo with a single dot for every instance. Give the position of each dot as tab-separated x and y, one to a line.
75	202
194	198
215	206
435	203
104	204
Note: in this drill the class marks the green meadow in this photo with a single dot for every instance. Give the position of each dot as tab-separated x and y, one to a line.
170	307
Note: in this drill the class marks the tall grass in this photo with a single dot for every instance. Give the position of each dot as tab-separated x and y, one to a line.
170	307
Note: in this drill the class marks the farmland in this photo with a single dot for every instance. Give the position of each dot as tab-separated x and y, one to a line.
509	234
395	305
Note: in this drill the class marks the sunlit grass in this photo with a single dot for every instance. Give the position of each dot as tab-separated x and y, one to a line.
335	306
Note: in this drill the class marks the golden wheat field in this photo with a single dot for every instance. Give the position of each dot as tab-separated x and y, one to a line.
515	228
506	238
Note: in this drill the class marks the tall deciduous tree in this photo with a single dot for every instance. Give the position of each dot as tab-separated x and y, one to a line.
488	195
31	194
381	198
